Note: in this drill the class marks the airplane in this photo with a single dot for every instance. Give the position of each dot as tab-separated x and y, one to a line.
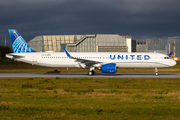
107	62
170	54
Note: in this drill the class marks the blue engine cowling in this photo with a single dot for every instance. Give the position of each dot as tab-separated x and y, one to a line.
109	68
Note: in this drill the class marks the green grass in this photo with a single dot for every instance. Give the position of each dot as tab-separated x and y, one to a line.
10	66
89	98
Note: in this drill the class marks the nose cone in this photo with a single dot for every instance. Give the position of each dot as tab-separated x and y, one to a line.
173	63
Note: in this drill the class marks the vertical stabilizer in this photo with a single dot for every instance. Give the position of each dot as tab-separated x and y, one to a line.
19	45
170	54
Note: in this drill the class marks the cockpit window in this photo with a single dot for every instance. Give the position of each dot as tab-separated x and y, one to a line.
166	57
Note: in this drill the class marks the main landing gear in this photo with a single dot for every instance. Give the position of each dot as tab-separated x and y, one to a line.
156	72
91	72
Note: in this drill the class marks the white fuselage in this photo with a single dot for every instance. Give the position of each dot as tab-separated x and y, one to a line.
122	60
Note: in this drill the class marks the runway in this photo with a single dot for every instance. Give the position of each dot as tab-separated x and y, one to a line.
85	75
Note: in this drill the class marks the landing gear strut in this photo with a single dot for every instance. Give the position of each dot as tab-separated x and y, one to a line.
156	72
91	72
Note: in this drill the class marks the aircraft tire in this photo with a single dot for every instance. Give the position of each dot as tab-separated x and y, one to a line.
93	72
90	73
157	73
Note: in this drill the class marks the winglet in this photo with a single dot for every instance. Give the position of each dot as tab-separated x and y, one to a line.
67	53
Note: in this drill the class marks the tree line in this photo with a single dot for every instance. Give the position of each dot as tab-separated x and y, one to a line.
5	50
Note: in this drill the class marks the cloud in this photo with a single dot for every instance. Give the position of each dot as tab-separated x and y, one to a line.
137	18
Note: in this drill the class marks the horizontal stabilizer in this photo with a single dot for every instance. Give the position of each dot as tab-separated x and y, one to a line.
12	56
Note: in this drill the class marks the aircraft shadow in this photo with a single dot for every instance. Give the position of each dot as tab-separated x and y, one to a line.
110	74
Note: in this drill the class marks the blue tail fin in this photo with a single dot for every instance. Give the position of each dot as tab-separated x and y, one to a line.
170	54
18	43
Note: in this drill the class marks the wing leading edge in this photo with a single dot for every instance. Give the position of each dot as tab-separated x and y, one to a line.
84	61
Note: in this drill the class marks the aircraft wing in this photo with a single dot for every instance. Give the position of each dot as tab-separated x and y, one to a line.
85	61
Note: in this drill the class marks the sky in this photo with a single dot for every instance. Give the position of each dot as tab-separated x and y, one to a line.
140	19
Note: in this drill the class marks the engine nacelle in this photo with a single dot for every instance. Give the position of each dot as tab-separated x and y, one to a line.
109	68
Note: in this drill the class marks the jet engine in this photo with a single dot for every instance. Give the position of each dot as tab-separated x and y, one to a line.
109	68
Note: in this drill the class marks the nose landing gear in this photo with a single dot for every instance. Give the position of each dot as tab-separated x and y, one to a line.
156	72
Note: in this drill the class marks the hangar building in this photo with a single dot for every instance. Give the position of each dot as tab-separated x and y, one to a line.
173	44
83	43
151	45
164	46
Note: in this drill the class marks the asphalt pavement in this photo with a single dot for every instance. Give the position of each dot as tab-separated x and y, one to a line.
85	75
